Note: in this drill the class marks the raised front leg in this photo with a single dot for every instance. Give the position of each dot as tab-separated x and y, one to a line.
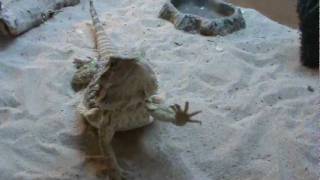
106	132
173	114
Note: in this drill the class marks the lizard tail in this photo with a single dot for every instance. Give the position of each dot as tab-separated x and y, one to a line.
103	43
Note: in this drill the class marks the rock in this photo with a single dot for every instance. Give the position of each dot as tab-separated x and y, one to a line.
206	17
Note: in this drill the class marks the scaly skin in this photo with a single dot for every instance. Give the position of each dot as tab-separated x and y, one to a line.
121	96
84	74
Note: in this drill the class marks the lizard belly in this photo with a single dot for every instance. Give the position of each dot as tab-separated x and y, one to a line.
132	119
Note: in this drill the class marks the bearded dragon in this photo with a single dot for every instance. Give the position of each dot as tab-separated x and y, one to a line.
121	95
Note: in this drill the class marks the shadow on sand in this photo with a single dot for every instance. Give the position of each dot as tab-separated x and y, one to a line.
138	151
5	42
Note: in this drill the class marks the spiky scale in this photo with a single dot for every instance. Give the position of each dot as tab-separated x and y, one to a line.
103	43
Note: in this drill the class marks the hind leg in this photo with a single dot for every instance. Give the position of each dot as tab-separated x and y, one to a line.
106	132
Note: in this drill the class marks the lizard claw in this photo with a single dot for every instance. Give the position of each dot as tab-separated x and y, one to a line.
125	174
182	116
121	175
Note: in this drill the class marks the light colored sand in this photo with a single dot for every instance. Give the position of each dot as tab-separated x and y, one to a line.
259	119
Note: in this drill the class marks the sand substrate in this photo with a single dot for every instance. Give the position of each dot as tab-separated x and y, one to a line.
260	107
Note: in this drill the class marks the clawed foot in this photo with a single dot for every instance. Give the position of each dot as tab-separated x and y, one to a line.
98	159
126	175
113	173
182	116
116	174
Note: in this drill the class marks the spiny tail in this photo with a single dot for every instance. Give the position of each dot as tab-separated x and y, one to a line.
103	43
